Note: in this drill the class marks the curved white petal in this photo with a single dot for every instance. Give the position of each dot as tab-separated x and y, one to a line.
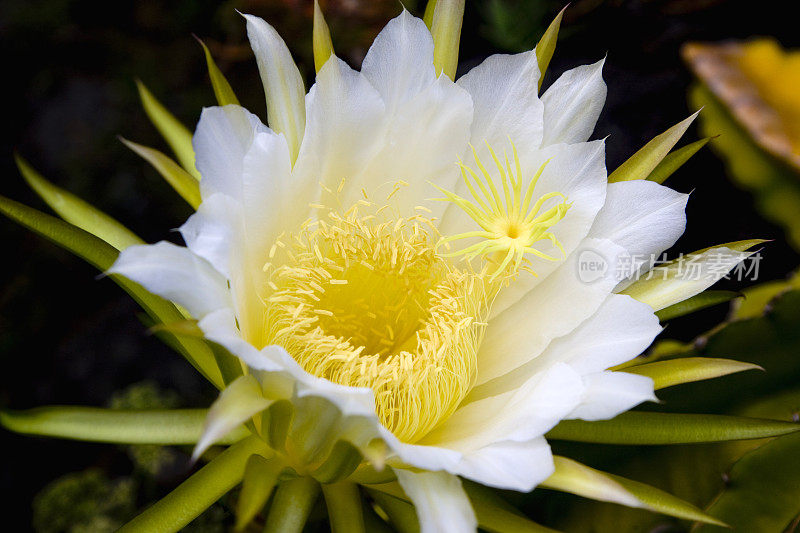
513	465
399	64
175	273
621	329
556	306
237	403
223	137
440	501
643	217
573	103
608	394
283	85
211	231
504	90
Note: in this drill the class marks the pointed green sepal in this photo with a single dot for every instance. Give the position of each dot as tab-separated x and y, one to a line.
547	46
427	17
170	427
184	183
448	16
696	303
176	134
688	369
260	477
323	46
292	505
642	163
222	89
77	211
675	160
345	512
636	427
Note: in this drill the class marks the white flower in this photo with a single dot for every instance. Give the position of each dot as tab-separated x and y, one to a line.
457	332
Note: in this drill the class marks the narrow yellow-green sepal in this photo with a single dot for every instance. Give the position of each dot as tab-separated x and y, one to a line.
636	427
696	303
176	134
292	505
575	478
547	46
343	501
685	370
222	89
496	515
173	427
199	492
675	160
427	17
260	477
448	16
184	183
323	46
77	211
643	162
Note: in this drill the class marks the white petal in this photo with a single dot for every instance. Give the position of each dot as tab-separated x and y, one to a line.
554	308
620	330
518	415
399	64
611	393
509	465
221	327
176	274
573	103
442	505
222	138
238	402
643	217
283	85
211	231
683	279
504	91
344	115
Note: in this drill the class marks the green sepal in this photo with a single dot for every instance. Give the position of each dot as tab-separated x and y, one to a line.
345	511
176	134
547	46
171	427
675	160
448	15
76	211
260	477
342	461
636	427
102	255
222	89
696	303
199	492
181	181
581	480
292	505
642	163
321	39
688	369
496	515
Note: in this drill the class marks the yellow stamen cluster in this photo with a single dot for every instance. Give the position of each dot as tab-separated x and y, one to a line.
366	303
512	223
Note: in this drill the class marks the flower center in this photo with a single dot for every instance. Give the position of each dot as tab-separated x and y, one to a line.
372	304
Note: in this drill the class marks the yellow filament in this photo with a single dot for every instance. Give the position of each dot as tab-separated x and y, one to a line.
512	223
365	303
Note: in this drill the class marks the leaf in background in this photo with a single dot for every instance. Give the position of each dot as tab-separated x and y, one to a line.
763	492
687	369
222	89
176	134
184	183
77	211
635	427
641	164
175	426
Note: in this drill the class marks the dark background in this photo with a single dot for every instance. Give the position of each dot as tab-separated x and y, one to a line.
68	73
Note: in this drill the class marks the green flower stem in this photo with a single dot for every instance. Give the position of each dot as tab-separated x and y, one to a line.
197	493
344	507
292	505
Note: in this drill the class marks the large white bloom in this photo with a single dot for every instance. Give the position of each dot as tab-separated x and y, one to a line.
315	257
